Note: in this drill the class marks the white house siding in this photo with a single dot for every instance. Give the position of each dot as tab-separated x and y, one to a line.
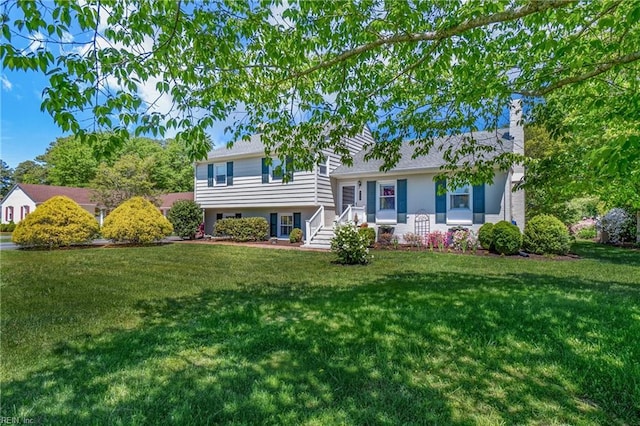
248	190
421	196
212	213
16	199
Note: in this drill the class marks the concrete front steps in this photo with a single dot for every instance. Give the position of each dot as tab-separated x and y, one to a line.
322	240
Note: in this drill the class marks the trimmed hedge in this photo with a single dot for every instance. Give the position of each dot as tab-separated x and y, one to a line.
485	236
243	229
370	234
295	236
546	234
7	227
136	221
58	222
507	238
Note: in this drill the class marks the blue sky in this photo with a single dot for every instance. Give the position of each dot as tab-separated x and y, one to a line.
25	131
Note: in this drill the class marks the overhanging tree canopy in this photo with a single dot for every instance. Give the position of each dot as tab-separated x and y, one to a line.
409	70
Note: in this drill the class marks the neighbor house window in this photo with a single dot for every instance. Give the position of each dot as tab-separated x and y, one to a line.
387	196
459	198
8	214
220	173
286	224
24	211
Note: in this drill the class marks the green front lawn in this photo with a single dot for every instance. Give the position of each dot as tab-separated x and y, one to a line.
197	334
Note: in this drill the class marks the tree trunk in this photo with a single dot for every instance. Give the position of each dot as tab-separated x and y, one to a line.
638	226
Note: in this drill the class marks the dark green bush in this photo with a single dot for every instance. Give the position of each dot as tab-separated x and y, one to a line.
7	227
185	216
243	229
370	234
295	236
485	236
546	234
507	238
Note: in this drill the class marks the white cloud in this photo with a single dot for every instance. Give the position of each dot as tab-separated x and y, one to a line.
276	18
6	84
37	41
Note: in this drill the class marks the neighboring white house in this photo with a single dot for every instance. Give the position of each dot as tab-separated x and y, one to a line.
236	182
23	198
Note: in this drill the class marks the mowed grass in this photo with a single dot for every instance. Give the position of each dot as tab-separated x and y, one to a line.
207	334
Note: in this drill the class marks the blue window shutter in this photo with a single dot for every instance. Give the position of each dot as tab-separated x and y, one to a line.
273	224
229	173
265	171
209	175
478	204
297	220
289	168
402	201
441	202
371	201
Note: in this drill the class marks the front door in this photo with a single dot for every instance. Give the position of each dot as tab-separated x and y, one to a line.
348	197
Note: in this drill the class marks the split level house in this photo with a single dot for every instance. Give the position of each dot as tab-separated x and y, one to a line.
24	198
238	181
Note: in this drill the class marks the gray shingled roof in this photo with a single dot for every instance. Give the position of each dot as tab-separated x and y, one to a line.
500	139
253	146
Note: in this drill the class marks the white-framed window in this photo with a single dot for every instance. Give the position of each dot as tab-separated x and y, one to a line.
387	203
276	174
460	198
323	167
387	196
459	206
286	224
8	214
220	174
24	211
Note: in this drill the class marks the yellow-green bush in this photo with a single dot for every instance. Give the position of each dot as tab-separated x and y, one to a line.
57	222
136	221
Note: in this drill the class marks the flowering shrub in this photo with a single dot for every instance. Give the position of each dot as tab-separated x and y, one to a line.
350	245
546	234
463	240
136	221
436	240
412	239
618	225
57	222
579	226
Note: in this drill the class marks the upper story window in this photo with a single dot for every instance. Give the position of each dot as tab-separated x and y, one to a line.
220	173
277	169
323	168
459	198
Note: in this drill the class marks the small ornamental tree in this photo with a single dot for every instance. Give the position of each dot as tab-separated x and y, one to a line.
136	221
350	245
57	222
546	234
185	216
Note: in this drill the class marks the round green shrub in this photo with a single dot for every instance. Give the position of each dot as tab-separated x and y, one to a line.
58	222
186	217
370	235
546	234
507	238
295	236
485	236
136	221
